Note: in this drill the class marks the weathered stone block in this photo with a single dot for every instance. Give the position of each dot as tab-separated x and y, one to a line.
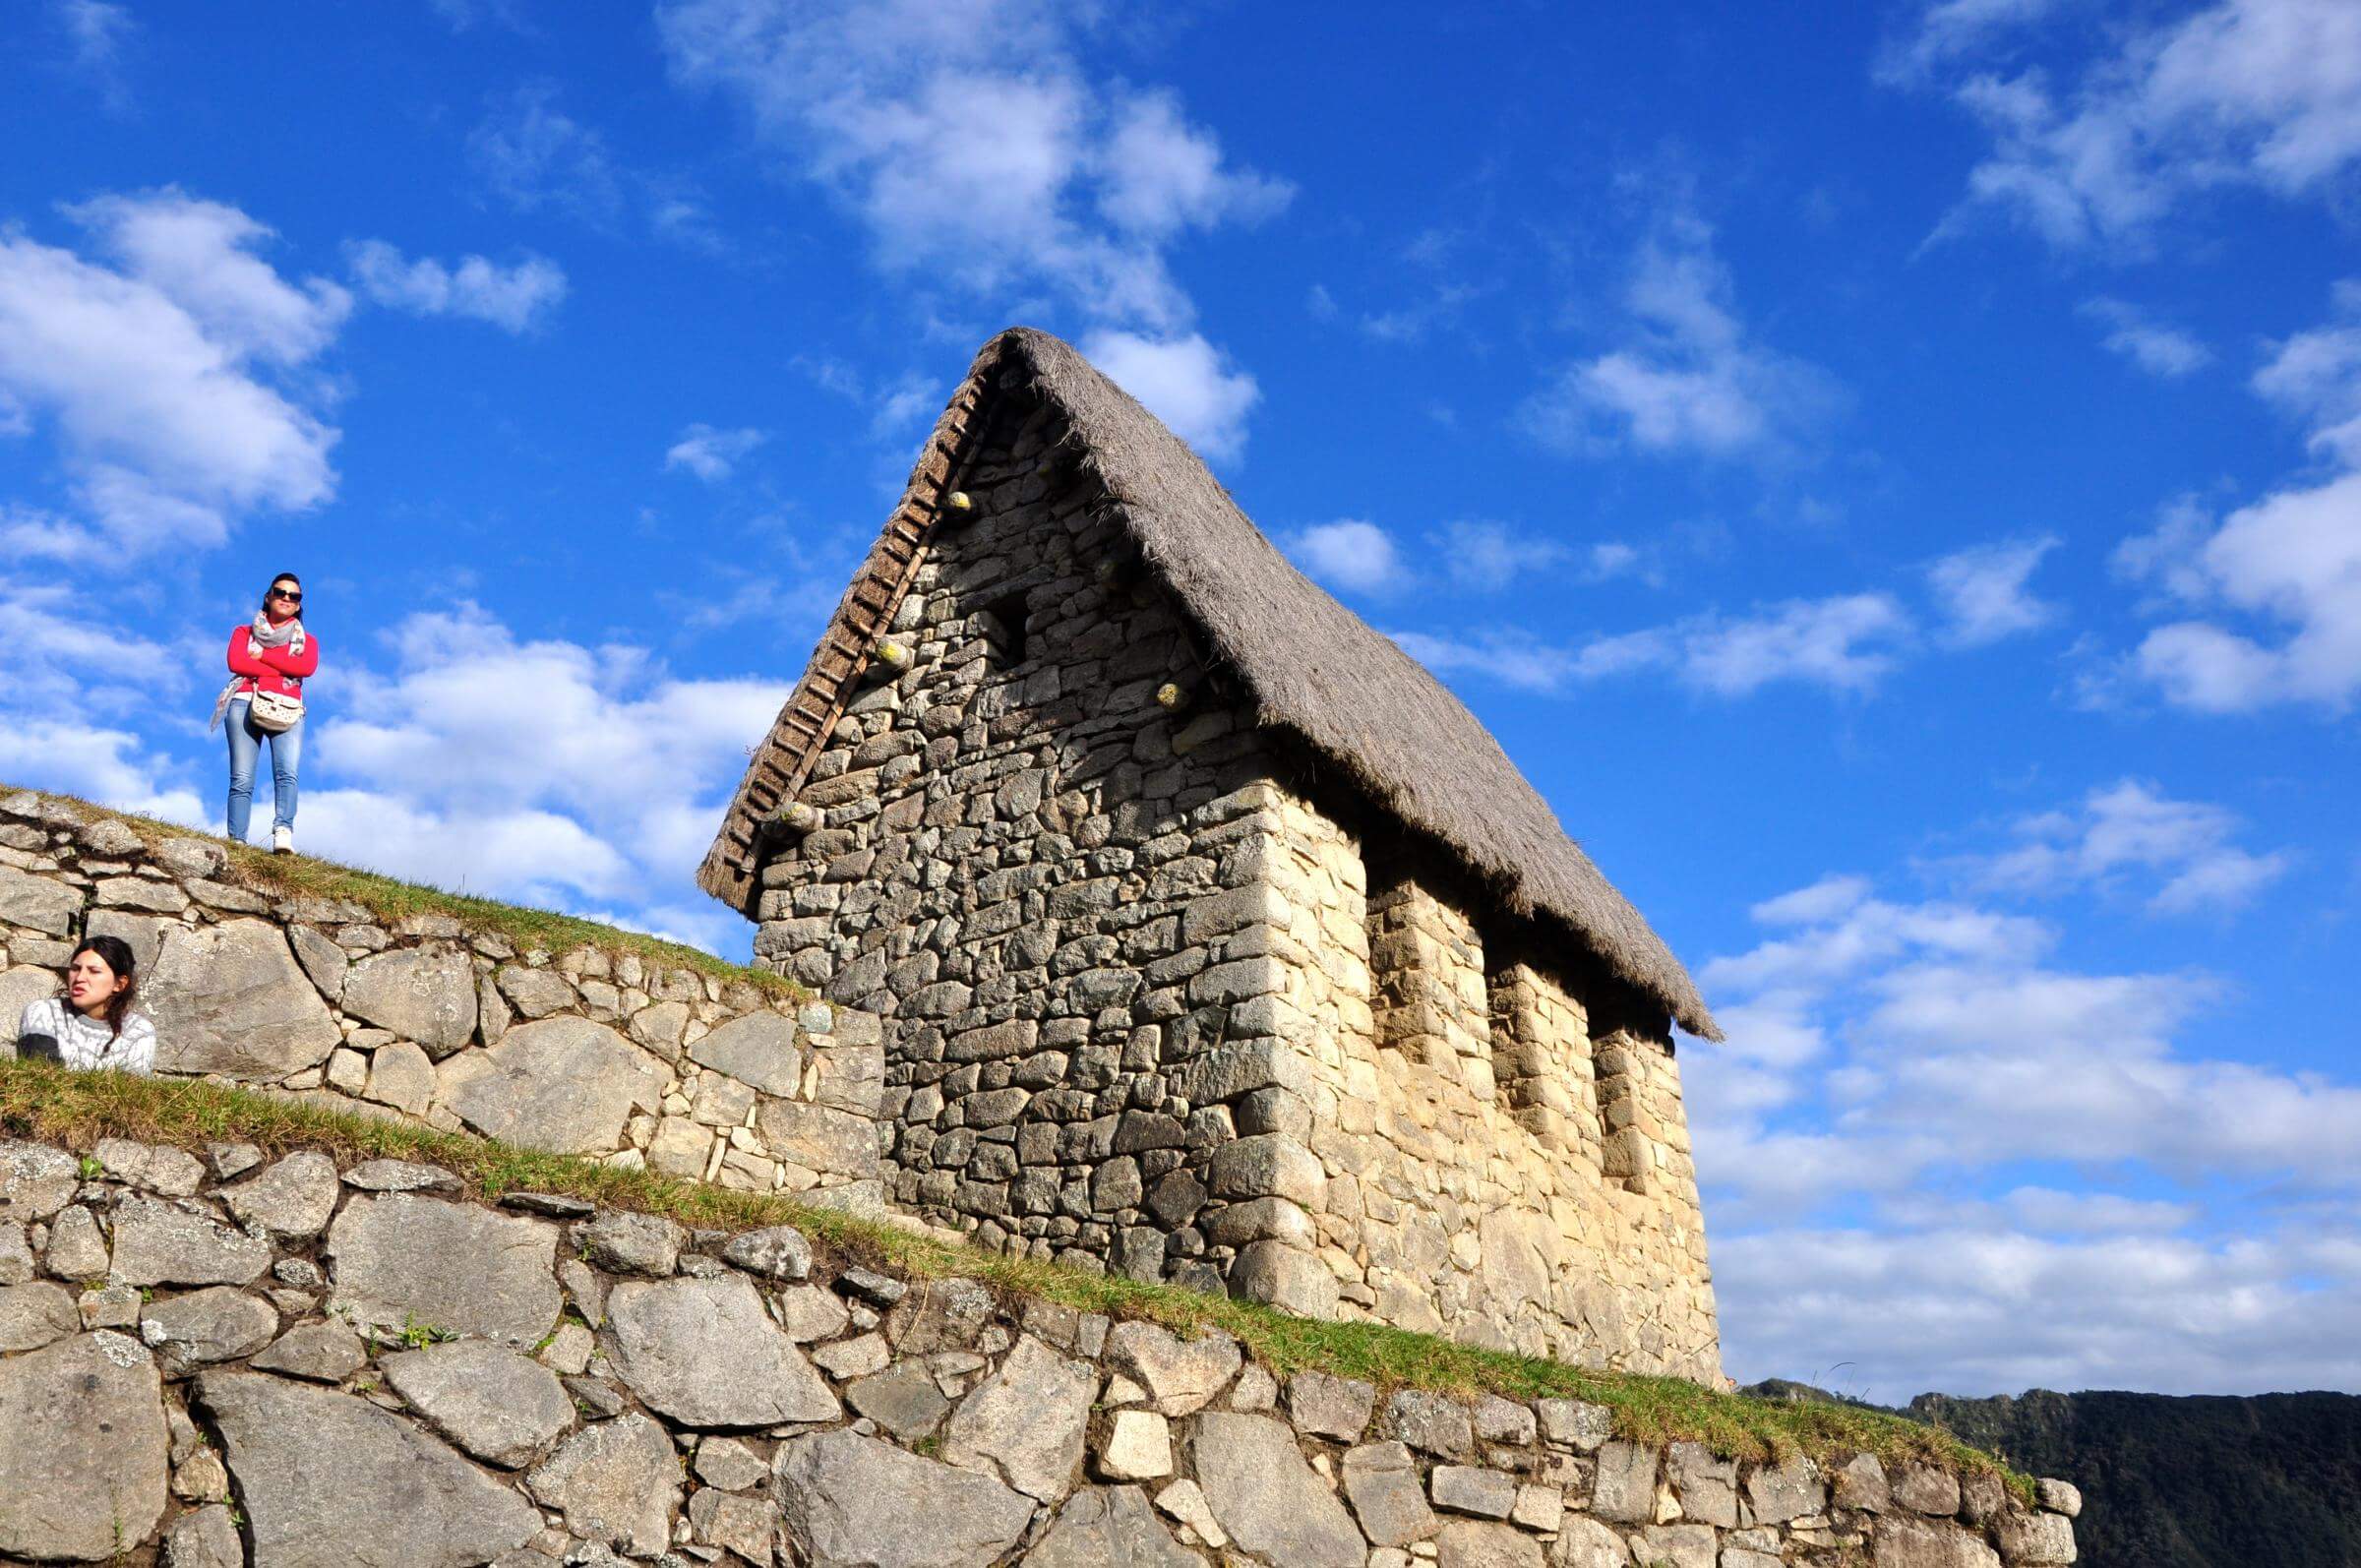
180	1243
1286	1277
327	1481
402	1261
424	993
831	1142
1381	1479
230	999
71	1498
704	1353
1473	1490
1026	1422
759	1050
850	1501
1902	1542
2036	1539
1269	1166
1266	1497
614	1480
1624	1487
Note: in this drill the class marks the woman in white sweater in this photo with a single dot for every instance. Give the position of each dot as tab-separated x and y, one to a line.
93	1025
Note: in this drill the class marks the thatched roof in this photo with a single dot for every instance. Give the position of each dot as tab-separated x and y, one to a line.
1304	663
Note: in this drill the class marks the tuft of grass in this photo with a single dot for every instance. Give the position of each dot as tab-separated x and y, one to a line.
390	900
55	1105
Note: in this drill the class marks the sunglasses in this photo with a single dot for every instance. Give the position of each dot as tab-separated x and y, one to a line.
291	598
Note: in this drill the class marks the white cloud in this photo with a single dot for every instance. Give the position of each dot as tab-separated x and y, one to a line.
2293	556
2183	850
2290	561
513	297
2246	93
1692	379
1159	174
1982	591
1471	556
1988	1310
524	767
1848	643
712	455
2316	376
534	155
1351	554
95	33
155	376
200	255
1185	382
973	146
1892	1069
2146	342
74	678
1950	29
1487	557
462	15
99	762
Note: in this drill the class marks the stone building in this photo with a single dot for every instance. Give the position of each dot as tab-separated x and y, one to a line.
1215	941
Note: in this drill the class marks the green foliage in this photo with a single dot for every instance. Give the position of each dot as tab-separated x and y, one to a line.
39	1100
418	1336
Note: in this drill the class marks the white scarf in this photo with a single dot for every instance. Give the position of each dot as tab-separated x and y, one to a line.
260	635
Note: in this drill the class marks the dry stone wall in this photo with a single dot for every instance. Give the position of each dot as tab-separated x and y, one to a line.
1146	1012
209	1359
1049	884
609	1054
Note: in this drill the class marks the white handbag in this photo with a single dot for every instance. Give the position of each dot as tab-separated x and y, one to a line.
275	712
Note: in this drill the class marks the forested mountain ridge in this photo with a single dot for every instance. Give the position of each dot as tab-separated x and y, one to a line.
2270	1480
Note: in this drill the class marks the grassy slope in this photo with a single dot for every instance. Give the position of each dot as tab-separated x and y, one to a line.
76	1109
390	900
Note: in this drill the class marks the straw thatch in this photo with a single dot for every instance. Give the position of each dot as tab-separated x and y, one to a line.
1309	666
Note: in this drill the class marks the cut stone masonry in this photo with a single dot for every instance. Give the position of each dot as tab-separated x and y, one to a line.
1162	993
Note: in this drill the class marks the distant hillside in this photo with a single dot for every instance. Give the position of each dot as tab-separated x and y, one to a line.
2195	1481
2173	1482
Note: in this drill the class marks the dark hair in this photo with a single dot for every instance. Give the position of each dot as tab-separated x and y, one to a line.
115	953
276	579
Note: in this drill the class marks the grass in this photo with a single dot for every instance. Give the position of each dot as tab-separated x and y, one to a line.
390	900
74	1110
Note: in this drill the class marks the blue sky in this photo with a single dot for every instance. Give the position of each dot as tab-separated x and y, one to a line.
1895	487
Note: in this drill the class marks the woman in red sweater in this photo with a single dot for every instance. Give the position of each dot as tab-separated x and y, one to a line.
269	659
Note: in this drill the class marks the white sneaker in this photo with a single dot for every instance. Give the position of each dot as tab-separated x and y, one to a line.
282	841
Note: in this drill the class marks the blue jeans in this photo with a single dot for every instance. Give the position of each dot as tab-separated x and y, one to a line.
245	750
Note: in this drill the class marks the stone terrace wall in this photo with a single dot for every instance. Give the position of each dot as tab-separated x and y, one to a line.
584	1051
213	1362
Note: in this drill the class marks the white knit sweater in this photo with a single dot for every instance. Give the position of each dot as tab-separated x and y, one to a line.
88	1042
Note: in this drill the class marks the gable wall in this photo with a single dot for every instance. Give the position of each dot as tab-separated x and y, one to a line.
1125	968
1047	881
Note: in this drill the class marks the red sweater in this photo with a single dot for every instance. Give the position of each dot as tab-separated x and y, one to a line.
281	670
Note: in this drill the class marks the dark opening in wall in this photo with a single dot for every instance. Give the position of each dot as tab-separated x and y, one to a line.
1009	639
